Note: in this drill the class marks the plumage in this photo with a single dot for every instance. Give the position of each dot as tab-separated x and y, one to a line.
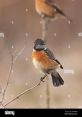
45	61
48	9
51	56
57	79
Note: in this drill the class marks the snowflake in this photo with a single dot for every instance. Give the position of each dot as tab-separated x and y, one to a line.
12	71
69	71
26	10
2	35
69	22
80	34
12	46
26	34
55	34
40	22
26	84
12	22
26	59
69	46
41	96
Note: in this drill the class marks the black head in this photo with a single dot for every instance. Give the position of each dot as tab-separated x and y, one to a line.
39	44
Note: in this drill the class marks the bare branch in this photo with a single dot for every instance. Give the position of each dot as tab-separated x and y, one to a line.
4	92
20	52
44	28
45	22
10	71
47	93
22	93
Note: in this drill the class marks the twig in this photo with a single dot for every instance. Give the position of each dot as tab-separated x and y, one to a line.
44	22
47	94
4	92
10	71
22	93
20	52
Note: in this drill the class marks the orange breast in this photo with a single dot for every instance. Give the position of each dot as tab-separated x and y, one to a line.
42	7
41	57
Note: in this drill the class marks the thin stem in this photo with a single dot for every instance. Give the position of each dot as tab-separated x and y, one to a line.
20	52
10	71
22	93
44	28
47	93
11	67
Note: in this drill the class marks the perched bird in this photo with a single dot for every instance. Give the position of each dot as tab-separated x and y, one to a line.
49	10
46	63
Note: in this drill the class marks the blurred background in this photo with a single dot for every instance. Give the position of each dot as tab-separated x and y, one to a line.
19	27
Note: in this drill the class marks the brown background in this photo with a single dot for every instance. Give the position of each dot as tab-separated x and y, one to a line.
15	23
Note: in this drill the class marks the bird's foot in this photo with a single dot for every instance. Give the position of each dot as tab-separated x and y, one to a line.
42	78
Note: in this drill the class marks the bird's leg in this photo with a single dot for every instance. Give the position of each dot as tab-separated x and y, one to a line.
42	78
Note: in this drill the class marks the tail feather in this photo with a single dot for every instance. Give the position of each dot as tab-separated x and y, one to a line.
57	79
62	13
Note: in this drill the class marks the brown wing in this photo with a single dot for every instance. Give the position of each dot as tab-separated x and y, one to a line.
52	57
55	6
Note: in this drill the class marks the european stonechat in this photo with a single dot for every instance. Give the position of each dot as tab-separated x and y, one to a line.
46	63
48	9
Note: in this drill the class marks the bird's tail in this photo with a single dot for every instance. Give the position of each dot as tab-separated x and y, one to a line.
68	19
62	13
57	79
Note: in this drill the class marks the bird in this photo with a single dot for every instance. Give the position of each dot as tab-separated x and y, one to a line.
46	63
49	10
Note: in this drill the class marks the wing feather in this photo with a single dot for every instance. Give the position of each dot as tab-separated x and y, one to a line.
52	57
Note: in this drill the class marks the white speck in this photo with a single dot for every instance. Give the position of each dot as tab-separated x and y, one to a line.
69	71
26	59
26	84
12	71
2	91
20	52
41	96
26	10
55	34
69	46
12	22
69	22
69	96
12	47
2	35
40	22
80	34
26	34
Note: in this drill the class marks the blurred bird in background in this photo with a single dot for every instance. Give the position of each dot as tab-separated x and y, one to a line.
46	63
49	11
